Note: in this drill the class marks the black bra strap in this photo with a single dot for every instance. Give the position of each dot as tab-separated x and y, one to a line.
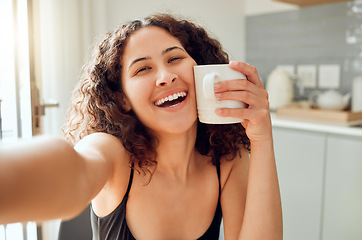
130	181
218	176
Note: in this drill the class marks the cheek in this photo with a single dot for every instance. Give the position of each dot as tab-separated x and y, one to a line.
190	77
187	72
138	92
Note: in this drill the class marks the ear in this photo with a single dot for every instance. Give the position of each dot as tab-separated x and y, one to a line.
125	103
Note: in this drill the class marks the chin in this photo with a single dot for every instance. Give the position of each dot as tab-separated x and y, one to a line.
180	126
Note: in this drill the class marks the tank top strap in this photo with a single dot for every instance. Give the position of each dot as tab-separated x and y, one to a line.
218	176
130	181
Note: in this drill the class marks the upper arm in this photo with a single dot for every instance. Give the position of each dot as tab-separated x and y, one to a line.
233	195
100	152
107	170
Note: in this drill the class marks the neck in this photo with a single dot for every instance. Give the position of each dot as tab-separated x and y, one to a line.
176	153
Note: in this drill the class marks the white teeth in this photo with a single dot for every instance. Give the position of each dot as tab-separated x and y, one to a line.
170	98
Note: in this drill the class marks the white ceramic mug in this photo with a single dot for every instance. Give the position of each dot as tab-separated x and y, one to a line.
205	78
357	94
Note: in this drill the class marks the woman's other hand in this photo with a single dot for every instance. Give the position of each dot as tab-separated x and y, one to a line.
251	91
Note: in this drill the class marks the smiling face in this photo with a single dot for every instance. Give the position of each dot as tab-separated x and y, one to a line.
157	78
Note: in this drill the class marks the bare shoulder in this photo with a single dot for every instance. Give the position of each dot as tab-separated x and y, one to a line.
103	145
99	142
234	180
240	164
110	149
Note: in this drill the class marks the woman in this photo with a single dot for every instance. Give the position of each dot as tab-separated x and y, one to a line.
149	168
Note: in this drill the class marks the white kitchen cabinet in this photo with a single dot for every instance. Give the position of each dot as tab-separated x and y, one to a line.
343	191
300	162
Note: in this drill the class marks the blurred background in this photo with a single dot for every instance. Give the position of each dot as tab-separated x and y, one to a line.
308	54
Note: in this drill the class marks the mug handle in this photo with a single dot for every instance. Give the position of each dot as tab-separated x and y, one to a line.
208	86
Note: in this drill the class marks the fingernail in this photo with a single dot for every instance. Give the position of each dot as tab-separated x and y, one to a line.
216	87
233	63
218	111
217	96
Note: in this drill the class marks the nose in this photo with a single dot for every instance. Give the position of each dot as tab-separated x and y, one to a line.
165	78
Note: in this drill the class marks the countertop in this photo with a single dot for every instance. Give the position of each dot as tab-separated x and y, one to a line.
315	126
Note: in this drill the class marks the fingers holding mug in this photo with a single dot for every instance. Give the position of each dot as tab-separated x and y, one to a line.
206	76
242	90
250	72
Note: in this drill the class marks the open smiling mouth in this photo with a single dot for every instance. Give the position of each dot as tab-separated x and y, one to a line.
171	100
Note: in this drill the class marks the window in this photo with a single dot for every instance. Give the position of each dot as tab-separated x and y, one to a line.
14	71
17	231
15	92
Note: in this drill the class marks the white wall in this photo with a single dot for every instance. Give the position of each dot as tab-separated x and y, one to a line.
224	19
254	7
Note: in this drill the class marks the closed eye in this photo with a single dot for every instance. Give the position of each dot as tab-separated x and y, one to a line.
174	59
142	69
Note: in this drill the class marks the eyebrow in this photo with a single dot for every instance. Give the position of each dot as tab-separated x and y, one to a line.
163	53
137	60
171	49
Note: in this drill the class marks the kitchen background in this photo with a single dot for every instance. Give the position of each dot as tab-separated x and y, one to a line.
319	163
311	36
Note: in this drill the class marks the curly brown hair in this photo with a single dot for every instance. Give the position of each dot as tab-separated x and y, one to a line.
98	97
